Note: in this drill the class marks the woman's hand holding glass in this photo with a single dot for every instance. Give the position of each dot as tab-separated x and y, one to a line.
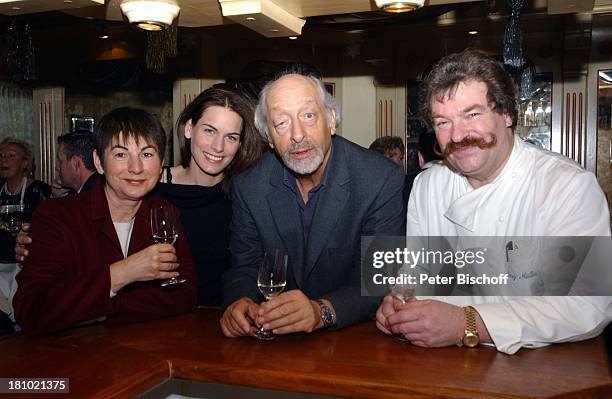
156	262
164	227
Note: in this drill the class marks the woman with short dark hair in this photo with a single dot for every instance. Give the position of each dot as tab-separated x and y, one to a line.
92	255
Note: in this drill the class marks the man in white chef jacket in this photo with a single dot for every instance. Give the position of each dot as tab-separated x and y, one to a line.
494	184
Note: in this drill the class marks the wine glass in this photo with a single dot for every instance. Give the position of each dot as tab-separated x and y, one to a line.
271	281
403	291
12	218
165	230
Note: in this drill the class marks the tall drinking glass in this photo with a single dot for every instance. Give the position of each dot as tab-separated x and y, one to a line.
402	291
12	218
164	227
271	281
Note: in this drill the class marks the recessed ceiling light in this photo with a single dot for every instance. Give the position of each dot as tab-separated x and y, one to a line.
274	30
292	37
68	1
104	37
394	6
89	17
250	18
473	32
354	31
15	8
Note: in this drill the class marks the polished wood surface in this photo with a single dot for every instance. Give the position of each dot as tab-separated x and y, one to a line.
122	361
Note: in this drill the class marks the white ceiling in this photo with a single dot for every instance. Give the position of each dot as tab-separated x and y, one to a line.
200	13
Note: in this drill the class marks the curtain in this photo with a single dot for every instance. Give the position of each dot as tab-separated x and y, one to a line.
16	111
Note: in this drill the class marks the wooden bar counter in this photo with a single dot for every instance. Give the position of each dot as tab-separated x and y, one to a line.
125	361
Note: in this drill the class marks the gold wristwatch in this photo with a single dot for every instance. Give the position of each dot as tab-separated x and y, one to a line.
470	335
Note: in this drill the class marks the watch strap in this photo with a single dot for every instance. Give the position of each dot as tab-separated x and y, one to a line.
328	317
470	335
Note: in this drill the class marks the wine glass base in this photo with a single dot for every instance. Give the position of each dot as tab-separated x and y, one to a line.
173	281
265	335
400	338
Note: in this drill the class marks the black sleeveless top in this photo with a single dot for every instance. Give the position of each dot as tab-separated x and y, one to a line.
206	214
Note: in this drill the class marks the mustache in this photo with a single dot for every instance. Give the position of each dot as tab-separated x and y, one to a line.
306	145
468	142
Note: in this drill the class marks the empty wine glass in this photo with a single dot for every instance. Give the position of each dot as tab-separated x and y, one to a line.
12	218
164	229
271	281
402	290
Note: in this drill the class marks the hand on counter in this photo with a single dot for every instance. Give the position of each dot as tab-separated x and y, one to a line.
427	323
238	318
290	312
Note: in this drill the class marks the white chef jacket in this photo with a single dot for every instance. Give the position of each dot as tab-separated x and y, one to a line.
538	193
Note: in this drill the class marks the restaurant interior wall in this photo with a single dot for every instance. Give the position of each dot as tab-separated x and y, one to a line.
365	66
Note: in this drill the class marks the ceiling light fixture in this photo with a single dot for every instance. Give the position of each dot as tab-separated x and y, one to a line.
250	18
149	14
292	37
399	6
473	32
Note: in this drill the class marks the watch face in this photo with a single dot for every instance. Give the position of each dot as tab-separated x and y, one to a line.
471	340
327	316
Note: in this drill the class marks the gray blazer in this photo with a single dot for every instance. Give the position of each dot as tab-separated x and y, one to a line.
362	197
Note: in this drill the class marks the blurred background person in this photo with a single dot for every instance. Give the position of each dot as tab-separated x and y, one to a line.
75	167
20	194
92	255
391	147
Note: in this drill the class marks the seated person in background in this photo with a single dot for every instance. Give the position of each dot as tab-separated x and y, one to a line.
75	167
20	192
313	198
76	173
494	184
391	147
92	255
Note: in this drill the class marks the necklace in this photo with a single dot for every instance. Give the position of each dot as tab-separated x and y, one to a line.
5	189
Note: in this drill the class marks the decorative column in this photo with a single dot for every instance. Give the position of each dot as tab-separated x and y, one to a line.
48	124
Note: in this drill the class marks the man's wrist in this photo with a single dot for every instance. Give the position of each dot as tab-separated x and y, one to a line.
327	314
317	312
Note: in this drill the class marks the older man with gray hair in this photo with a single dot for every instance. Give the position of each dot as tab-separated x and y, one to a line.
312	198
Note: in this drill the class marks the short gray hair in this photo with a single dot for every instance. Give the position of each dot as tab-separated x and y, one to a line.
261	112
26	149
